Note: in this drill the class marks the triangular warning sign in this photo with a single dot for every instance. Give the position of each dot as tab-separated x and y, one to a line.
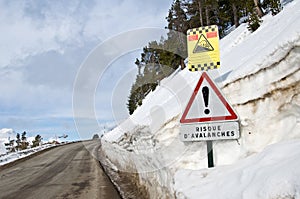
202	45
207	104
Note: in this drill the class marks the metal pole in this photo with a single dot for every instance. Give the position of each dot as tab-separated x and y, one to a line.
210	156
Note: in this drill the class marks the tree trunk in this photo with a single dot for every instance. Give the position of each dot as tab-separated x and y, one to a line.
200	12
235	15
259	10
182	65
207	15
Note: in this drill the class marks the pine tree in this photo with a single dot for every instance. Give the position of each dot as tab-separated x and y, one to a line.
95	136
235	13
253	18
18	142
178	26
254	22
275	7
195	13
24	143
211	11
177	18
138	64
37	141
137	94
10	146
237	10
131	105
222	13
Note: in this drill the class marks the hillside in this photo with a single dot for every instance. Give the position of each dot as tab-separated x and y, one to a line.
259	75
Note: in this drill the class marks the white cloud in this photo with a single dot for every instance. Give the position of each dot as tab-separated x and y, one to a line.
5	133
43	43
34	27
16	93
109	18
28	32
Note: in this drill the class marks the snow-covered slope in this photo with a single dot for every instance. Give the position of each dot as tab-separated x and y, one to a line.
5	133
13	156
273	173
259	75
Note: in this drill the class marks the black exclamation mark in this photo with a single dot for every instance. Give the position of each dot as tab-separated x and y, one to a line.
205	92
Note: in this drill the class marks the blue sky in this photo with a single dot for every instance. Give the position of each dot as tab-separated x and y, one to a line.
43	44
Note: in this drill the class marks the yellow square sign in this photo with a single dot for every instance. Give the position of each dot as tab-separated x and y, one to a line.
203	48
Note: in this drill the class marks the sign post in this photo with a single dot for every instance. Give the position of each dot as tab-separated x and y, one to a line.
210	154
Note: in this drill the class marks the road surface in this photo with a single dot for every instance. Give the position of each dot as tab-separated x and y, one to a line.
68	171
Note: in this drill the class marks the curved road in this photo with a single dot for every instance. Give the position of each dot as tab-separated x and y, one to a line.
68	171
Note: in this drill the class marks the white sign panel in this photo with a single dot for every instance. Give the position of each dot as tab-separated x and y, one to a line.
209	131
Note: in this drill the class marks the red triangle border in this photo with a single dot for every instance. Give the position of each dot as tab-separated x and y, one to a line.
232	116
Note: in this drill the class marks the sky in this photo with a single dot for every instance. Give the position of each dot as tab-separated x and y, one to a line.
44	47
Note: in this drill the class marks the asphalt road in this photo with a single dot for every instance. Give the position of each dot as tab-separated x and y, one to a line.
68	171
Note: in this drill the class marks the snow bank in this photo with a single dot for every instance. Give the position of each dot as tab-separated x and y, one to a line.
11	157
273	173
5	135
260	77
